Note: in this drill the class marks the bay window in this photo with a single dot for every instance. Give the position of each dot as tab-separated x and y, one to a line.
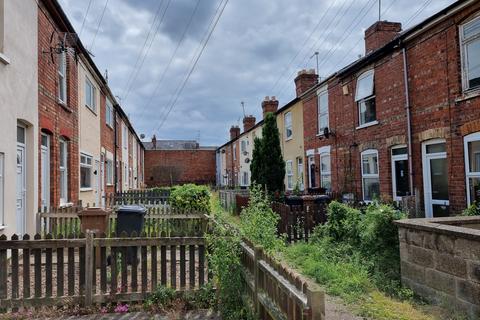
370	176
470	41
365	98
85	171
472	166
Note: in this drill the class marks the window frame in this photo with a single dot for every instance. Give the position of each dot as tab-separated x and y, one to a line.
93	96
109	169
234	151
3	58
463	50
466	139
63	144
369	175
289	175
109	116
325	152
300	173
321	92
62	78
288	126
361	100
88	166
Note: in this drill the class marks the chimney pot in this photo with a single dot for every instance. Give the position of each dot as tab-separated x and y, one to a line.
269	105
234	132
305	80
248	122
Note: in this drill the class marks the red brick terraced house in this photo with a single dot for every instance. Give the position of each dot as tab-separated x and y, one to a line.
404	120
65	170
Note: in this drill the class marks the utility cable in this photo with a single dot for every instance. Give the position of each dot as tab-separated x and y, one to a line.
98	26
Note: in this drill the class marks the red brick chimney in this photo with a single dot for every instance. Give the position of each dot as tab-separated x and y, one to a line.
234	132
269	105
248	122
305	80
379	34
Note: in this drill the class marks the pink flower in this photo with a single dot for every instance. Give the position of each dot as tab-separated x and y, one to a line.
121	308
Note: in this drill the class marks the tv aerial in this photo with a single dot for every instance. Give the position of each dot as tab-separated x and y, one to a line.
65	43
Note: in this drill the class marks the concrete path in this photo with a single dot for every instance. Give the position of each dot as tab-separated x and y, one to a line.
336	310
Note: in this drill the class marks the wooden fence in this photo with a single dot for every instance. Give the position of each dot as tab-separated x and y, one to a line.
159	220
298	222
277	292
228	198
145	197
88	270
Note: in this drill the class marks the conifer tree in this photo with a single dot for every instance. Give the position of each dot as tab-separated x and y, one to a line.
257	162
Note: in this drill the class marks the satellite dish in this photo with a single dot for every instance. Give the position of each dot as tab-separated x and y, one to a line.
142	136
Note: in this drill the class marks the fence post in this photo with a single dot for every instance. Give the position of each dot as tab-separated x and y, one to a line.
257	256
316	301
89	268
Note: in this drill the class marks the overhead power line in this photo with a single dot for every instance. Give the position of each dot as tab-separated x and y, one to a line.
417	13
99	24
85	17
187	27
194	65
137	71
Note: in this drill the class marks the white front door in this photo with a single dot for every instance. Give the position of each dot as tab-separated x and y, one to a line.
21	189
400	175
102	180
97	188
311	172
45	171
435	178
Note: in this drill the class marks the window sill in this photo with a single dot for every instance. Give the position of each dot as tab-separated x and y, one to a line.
468	94
109	184
86	189
66	205
288	139
91	109
4	59
366	125
64	106
2	228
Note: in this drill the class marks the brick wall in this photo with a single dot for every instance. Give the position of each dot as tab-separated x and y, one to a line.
171	167
55	119
441	262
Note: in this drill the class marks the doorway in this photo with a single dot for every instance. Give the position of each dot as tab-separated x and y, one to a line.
45	171
21	181
400	174
435	178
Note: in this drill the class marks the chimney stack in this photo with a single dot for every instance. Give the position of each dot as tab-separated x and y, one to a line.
379	34
269	105
248	123
154	142
305	80
234	132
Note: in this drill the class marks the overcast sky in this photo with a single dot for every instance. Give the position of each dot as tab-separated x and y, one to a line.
248	57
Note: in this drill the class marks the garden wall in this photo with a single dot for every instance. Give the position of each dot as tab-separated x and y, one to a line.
440	261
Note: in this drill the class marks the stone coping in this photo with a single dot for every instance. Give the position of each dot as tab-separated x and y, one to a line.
449	225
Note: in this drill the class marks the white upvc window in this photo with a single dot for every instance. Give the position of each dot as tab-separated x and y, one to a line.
244	178
86	167
365	98
109	172
370	176
62	77
472	166
109	113
288	126
3	58
90	95
322	101
325	168
289	170
63	168
470	41
125	137
300	181
234	151
2	188
243	146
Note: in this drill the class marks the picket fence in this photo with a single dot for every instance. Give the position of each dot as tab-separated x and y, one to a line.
298	222
160	220
276	291
88	270
146	197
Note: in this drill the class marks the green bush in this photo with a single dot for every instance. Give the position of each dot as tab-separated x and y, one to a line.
472	210
190	197
161	298
258	222
203	298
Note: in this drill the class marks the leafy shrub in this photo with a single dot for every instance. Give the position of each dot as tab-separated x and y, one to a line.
472	210
190	197
161	298
259	222
203	298
342	224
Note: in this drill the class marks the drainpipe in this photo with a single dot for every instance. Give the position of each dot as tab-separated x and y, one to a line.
409	121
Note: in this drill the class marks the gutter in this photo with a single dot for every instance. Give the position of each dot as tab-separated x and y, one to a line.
409	120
